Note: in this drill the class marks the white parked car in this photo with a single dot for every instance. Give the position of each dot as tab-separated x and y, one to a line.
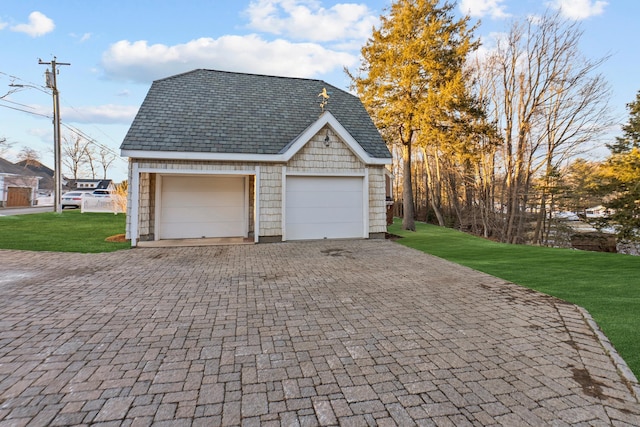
72	199
101	193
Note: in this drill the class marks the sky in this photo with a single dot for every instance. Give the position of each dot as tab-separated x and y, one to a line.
117	48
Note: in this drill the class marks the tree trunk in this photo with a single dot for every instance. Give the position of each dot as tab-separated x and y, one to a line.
539	230
408	221
434	190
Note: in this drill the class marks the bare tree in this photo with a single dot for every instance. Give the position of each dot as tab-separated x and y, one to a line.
106	160
548	104
74	154
99	159
29	155
90	157
5	145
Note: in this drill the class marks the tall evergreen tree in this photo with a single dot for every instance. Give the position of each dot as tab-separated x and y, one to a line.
631	130
410	68
621	172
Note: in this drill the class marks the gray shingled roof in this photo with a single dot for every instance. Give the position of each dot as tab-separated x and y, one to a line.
213	111
10	168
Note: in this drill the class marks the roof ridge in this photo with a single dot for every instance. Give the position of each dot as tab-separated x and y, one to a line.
243	73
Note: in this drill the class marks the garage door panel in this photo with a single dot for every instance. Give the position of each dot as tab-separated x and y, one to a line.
202	206
347	198
189	214
319	199
337	231
332	184
324	207
202	229
193	200
325	215
182	184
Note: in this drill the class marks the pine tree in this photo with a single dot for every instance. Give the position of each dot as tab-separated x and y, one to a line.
622	174
411	74
631	130
622	171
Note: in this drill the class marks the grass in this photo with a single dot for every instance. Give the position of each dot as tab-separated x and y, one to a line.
606	284
69	231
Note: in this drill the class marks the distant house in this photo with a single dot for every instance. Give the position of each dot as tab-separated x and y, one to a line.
88	184
221	154
36	168
18	187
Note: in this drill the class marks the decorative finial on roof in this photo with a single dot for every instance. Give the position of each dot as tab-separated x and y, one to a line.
325	98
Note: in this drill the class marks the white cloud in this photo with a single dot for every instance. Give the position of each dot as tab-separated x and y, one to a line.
312	41
3	25
82	37
45	134
138	61
39	25
480	8
579	9
490	43
308	20
104	114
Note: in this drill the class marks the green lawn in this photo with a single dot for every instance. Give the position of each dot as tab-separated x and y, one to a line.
607	285
69	231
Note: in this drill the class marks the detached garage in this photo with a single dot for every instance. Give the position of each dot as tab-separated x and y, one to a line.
265	158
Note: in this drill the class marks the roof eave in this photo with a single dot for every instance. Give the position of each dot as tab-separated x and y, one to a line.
193	155
226	157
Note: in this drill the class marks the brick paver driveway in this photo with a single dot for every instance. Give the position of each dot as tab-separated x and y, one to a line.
317	333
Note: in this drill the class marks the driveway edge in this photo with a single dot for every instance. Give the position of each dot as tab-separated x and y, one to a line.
622	367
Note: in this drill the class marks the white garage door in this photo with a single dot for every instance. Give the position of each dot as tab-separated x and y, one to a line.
324	207
202	206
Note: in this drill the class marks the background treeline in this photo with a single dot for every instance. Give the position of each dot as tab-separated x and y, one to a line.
491	142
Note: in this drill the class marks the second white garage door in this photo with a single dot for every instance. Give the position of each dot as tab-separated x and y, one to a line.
202	206
324	207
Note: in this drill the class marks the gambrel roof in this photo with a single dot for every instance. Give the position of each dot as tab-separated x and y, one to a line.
209	111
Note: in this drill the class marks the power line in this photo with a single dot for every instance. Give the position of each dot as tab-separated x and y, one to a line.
81	114
44	89
71	128
16	103
24	111
93	141
35	85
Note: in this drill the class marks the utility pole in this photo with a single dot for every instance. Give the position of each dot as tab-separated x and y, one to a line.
57	150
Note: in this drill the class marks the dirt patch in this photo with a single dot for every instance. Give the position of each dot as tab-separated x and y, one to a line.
118	238
337	253
590	387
